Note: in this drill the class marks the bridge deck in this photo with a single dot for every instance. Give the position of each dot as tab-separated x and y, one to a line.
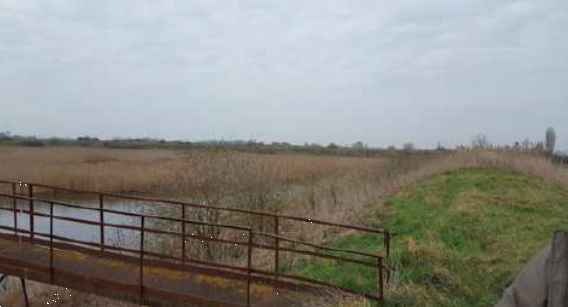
120	279
140	274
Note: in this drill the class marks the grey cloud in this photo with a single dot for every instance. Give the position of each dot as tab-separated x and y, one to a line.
384	72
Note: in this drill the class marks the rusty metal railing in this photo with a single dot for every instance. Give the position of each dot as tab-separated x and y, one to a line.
144	257
277	218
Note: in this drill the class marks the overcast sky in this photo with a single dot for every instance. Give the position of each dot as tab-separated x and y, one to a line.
381	72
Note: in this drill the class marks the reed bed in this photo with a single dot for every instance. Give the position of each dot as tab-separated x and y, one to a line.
337	189
164	171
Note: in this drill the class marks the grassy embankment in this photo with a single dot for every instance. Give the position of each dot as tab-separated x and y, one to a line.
463	236
331	188
491	213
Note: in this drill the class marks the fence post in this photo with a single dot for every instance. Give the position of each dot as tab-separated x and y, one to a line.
31	195
249	265
183	234
51	270
387	240
15	209
277	247
380	278
141	259
102	222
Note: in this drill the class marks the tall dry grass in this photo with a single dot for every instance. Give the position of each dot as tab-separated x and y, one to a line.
293	184
336	189
155	171
86	168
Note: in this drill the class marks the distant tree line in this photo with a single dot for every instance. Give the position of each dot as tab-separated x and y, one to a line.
479	141
546	147
356	149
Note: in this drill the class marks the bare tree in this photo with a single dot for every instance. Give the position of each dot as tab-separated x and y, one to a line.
550	140
408	147
527	145
480	141
358	145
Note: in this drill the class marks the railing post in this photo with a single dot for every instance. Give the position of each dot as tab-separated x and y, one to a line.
183	234
24	289
387	239
15	209
102	222
51	270
249	265
380	282
31	195
277	247
141	259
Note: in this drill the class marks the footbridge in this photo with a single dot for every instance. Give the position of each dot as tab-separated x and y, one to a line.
184	254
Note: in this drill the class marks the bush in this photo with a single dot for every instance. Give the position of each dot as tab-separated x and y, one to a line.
32	143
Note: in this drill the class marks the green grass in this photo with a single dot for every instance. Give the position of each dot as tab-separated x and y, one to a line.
463	236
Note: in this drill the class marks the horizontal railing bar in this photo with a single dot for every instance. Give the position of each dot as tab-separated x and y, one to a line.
318	246
46	235
7	209
57	217
25	197
47	201
75	241
65	218
315	221
202	237
207	207
134	228
198	237
314	254
286	249
167	264
205	238
127	213
121	249
225	241
81	242
206	263
195	237
172	219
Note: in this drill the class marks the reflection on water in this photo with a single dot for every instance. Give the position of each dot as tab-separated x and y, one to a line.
75	230
158	243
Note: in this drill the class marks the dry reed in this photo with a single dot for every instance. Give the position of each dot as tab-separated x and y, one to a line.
330	188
